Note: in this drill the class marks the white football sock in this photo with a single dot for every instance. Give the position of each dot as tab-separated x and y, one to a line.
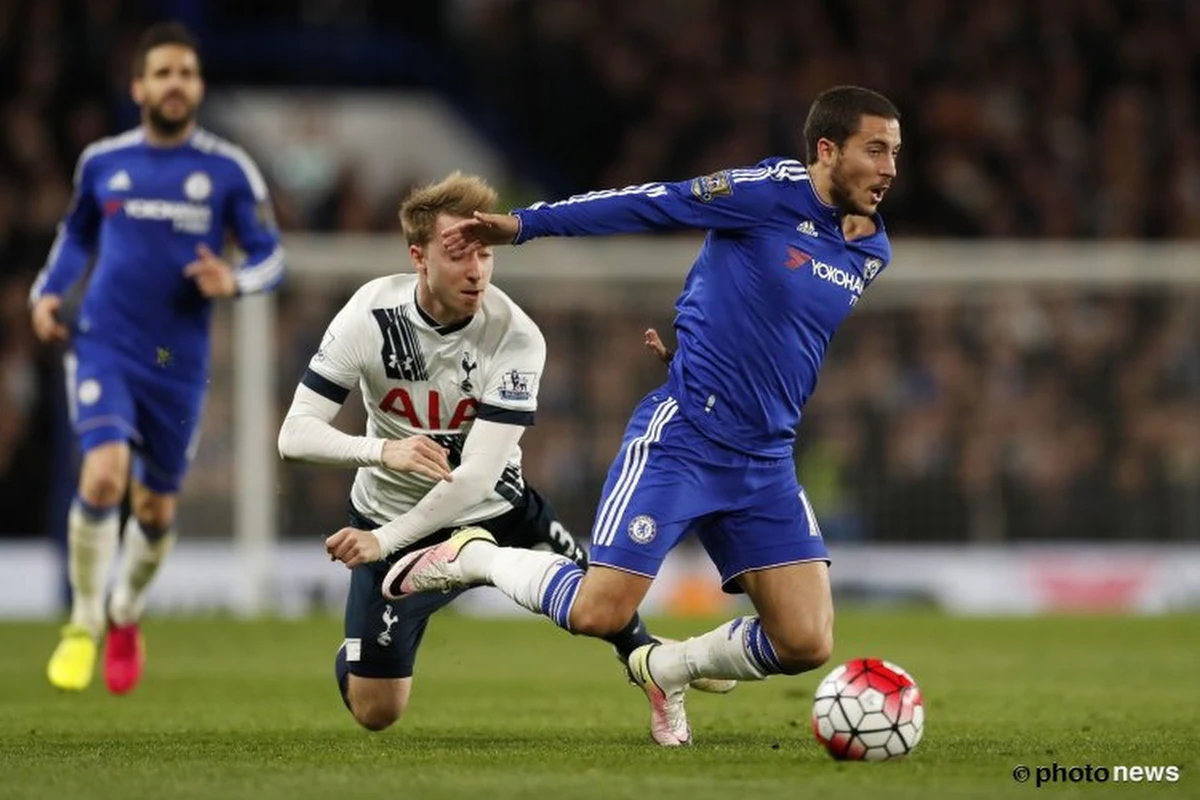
140	560
521	574
91	547
720	653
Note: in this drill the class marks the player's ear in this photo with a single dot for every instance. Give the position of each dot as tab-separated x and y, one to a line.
137	90
417	256
827	150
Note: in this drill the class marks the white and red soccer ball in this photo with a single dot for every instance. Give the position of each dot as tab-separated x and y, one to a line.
868	710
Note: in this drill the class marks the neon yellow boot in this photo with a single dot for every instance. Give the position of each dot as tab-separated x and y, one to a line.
74	660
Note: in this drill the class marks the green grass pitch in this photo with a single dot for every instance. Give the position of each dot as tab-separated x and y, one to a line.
515	708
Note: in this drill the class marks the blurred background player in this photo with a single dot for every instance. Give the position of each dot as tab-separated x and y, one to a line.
150	212
449	369
789	251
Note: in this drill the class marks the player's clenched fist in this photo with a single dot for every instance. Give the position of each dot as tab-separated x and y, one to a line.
353	547
46	326
418	454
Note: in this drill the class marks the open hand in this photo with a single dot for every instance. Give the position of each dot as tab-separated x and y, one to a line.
353	547
418	454
213	276
483	230
654	344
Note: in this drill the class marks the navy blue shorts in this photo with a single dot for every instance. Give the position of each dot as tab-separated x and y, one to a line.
382	636
669	479
111	401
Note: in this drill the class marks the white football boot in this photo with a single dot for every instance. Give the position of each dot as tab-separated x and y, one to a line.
668	718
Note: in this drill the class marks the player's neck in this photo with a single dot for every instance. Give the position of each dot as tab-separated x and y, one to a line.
822	184
156	138
435	314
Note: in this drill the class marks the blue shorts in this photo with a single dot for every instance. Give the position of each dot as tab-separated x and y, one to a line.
112	401
750	513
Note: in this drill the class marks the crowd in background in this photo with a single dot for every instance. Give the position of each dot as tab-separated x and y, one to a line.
1012	415
1022	118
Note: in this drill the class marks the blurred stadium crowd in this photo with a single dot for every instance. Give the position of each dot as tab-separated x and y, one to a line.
1011	415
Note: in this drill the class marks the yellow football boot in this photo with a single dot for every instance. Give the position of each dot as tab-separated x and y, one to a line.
74	660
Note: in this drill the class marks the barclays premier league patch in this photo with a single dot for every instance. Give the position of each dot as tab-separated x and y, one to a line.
710	186
517	386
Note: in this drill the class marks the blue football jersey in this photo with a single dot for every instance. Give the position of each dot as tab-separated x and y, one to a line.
773	280
140	211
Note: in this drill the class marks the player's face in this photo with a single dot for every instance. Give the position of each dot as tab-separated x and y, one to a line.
865	166
170	89
453	287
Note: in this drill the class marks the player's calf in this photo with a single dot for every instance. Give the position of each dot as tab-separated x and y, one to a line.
375	713
376	703
594	619
606	601
802	645
795	623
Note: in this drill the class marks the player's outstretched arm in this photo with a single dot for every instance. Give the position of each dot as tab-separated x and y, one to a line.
733	199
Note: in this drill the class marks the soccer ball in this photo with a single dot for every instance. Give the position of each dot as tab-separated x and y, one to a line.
868	710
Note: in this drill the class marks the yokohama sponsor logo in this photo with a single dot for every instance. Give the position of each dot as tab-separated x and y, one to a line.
838	276
190	217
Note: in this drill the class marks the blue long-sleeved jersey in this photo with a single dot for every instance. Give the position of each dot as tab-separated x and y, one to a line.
141	211
773	280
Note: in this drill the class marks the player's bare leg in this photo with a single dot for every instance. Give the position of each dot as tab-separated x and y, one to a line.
792	633
147	539
92	546
607	598
377	703
795	604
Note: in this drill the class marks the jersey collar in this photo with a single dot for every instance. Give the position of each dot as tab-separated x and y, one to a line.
438	328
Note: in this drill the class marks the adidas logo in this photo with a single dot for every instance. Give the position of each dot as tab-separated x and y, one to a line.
120	182
807	228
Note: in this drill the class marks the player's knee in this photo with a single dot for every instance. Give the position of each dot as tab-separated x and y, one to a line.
154	524
377	714
803	647
595	619
102	489
155	512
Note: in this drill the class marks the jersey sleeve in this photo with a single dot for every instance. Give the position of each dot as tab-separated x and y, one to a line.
512	381
337	366
733	199
252	219
78	234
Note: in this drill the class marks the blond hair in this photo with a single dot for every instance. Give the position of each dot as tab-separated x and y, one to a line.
456	194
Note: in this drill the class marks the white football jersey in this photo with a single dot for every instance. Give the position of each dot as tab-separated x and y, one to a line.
419	378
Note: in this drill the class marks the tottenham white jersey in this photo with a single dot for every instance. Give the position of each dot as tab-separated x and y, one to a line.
418	378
